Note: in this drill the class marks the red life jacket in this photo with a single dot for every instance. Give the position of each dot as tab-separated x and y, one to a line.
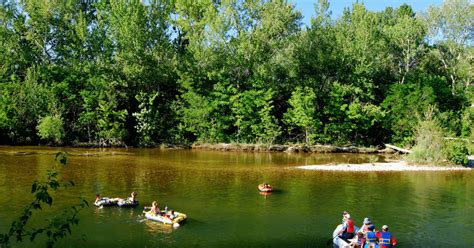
350	226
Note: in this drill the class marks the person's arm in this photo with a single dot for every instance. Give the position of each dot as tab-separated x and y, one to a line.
393	241
344	227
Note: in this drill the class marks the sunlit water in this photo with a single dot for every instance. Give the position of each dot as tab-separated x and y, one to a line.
217	190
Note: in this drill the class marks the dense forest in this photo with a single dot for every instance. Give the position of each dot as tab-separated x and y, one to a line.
143	73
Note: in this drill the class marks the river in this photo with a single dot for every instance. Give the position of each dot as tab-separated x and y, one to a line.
217	191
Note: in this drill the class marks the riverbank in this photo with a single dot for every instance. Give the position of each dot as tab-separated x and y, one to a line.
289	148
389	166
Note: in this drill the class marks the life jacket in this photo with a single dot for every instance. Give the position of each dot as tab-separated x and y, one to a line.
385	238
371	237
350	226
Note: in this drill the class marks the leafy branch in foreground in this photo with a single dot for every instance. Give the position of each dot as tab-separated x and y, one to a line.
58	227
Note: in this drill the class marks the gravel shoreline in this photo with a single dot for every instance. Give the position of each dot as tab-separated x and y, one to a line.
390	166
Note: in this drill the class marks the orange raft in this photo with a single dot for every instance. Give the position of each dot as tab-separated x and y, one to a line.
265	187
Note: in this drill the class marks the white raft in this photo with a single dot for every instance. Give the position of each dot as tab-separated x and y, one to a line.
338	242
180	217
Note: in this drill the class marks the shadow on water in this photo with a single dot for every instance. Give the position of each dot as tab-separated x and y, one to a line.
277	191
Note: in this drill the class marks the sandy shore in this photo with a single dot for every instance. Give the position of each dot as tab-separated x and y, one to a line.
390	166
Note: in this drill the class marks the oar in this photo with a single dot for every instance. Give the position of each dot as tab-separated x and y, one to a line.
328	243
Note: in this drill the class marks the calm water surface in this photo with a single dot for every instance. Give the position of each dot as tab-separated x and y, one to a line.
217	190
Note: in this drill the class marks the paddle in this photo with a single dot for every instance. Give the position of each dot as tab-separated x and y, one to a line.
328	243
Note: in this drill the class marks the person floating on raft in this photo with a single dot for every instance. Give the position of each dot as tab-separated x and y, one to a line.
167	217
154	209
103	201
348	227
127	202
265	187
121	202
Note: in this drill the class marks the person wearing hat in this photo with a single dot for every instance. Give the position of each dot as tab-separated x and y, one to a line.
371	237
363	229
386	239
348	229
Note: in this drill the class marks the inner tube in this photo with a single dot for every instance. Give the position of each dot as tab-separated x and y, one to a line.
127	204
262	188
105	202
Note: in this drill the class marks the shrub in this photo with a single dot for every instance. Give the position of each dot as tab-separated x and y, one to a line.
457	152
429	147
50	128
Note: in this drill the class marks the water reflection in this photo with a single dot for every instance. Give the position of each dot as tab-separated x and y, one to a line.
154	227
265	194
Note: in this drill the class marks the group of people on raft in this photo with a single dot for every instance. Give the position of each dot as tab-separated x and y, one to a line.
101	201
154	209
366	236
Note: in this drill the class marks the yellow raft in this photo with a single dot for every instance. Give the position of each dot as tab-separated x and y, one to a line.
179	217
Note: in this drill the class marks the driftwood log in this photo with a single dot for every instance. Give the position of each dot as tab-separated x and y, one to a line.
396	148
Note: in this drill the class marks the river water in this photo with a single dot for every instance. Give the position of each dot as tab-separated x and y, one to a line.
217	190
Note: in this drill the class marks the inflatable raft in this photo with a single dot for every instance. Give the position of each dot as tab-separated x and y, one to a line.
127	204
180	217
341	243
265	188
105	202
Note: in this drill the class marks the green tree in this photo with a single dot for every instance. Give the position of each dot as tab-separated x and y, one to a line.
302	112
50	128
451	29
25	103
146	124
406	39
101	113
253	118
402	104
195	112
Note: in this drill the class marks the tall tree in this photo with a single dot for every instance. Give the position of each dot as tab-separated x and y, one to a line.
406	39
452	30
302	111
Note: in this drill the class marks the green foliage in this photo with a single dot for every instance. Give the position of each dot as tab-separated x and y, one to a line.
101	116
206	118
403	103
467	122
253	118
406	39
429	146
25	103
267	130
50	128
457	152
450	26
146	125
58	227
120	72
196	115
302	111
